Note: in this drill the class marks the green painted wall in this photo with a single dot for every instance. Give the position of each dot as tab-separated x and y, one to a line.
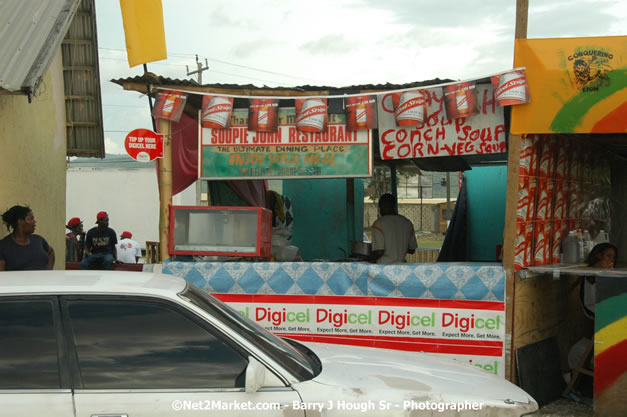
486	210
324	221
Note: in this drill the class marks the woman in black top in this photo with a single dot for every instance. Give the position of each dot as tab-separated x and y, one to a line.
21	249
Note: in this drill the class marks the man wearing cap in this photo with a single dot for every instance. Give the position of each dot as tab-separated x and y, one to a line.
100	245
74	240
127	249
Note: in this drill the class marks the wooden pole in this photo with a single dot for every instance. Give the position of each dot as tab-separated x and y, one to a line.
165	188
511	207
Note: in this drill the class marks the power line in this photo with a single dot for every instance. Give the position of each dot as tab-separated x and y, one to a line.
230	63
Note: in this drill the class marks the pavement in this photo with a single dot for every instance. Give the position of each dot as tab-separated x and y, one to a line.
566	408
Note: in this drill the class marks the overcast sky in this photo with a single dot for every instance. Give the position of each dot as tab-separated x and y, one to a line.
333	43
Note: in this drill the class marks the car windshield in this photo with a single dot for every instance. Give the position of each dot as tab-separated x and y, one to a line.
280	351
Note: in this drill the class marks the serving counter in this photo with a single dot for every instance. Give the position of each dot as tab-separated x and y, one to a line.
452	309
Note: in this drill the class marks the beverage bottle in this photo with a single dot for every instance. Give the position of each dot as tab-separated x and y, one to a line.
601	237
360	116
587	244
168	105
570	248
262	118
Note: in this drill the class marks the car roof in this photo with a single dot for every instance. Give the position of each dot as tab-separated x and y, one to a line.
90	282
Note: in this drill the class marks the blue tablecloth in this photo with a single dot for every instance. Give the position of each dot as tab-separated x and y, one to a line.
443	281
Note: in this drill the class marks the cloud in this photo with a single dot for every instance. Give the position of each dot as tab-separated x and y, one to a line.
113	147
332	44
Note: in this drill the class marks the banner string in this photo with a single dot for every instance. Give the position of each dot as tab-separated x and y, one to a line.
378	93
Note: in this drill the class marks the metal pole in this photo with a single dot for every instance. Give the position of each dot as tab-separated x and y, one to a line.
148	92
448	196
199	70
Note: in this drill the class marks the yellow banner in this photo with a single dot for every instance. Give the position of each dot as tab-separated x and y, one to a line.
577	85
144	32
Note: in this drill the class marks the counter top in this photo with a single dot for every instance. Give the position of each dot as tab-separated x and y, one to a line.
570	269
441	281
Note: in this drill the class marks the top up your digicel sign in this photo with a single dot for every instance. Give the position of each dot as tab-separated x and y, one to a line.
144	145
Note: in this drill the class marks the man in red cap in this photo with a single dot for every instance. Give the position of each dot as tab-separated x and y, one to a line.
127	249
74	240
100	245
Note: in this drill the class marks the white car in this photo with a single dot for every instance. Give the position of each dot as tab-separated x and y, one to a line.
95	343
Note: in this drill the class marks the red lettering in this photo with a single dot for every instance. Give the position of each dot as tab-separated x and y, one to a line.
440	133
214	136
418	149
488	101
432	120
500	129
291	135
332	133
427	135
459	123
388	145
433	149
486	134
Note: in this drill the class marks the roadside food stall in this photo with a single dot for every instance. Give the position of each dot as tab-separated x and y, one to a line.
449	308
567	172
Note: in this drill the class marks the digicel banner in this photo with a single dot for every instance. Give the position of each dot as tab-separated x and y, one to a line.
471	331
144	145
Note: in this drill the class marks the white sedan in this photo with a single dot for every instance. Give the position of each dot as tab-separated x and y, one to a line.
128	344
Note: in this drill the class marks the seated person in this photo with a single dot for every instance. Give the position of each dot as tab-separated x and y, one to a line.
602	255
100	245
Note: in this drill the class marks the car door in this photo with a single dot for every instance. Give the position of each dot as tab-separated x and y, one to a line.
146	357
34	379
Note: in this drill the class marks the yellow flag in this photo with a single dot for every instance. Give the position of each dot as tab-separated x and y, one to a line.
144	32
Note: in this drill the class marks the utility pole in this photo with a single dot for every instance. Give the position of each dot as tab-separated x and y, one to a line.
199	70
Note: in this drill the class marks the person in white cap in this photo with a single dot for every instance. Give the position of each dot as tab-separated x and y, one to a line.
128	250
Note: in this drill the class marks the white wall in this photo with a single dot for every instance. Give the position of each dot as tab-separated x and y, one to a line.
129	196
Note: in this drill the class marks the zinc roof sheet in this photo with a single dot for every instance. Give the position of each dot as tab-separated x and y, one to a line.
31	32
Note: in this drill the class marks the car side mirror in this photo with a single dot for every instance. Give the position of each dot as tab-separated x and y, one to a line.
255	375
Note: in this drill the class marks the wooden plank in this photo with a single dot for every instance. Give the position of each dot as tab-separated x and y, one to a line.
511	205
165	188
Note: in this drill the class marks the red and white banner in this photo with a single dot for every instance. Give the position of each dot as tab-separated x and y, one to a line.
469	331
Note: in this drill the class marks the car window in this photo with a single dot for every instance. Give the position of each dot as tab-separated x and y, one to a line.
146	345
28	345
278	349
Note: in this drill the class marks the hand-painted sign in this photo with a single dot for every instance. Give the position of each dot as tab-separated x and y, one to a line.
439	136
469	331
239	152
144	145
577	85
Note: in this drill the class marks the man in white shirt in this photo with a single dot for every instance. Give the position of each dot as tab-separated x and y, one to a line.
393	235
128	250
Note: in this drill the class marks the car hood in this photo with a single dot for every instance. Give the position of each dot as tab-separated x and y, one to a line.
363	374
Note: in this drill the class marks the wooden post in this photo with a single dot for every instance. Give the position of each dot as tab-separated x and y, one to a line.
511	207
165	189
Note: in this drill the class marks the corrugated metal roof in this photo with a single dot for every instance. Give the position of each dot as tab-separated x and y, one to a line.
31	32
158	81
110	161
81	75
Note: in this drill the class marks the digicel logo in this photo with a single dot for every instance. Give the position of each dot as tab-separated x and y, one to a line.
338	319
283	316
400	321
466	323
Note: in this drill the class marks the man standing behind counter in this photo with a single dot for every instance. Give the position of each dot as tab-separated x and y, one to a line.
393	235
